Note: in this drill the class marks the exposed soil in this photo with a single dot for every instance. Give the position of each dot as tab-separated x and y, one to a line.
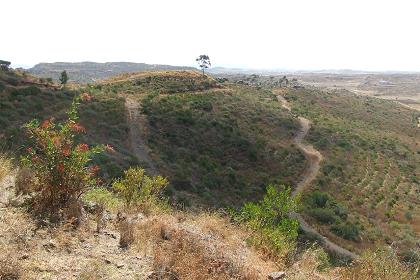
314	158
137	144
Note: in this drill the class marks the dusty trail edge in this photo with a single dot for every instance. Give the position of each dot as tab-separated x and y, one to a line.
314	158
137	145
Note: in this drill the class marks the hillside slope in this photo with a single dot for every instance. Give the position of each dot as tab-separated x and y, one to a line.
89	72
221	143
367	191
24	97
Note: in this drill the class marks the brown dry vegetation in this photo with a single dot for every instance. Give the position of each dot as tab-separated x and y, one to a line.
199	247
5	166
163	244
172	245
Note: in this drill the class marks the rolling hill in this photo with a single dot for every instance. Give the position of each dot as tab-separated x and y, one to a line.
89	72
221	142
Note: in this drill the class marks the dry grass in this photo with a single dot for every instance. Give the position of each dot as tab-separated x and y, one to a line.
382	264
313	264
94	271
126	229
203	246
10	268
173	246
5	166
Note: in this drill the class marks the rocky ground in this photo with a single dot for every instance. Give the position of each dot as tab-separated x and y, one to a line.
41	252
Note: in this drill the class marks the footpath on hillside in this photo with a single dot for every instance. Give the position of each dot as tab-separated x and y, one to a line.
137	145
314	158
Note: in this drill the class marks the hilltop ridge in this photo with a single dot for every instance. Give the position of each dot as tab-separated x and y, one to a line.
89	72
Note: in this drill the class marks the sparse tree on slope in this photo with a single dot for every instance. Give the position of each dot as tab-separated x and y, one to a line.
64	77
203	61
4	65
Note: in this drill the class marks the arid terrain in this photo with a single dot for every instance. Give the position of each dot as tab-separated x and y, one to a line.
342	166
403	88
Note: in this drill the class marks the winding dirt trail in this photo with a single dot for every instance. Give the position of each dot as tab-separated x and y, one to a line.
314	158
137	144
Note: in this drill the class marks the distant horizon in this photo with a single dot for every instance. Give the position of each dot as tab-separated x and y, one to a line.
244	68
372	35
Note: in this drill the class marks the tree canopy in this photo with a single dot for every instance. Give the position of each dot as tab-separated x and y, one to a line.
203	61
64	77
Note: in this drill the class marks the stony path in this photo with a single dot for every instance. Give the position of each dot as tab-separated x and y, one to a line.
137	144
314	158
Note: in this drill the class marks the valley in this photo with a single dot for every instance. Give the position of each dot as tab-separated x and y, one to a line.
351	160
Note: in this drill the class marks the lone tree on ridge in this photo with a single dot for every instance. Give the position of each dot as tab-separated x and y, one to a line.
4	65
203	61
64	78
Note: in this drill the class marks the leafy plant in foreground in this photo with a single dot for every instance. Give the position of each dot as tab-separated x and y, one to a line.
59	164
138	189
274	230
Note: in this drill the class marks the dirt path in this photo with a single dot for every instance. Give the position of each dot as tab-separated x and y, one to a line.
137	144
314	158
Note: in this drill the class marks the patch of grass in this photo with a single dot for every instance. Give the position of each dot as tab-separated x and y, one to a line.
380	264
102	196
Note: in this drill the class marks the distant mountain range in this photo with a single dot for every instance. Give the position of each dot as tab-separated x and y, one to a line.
279	71
88	72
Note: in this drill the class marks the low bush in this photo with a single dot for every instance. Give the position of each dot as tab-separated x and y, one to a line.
139	190
59	164
102	197
346	230
318	199
13	81
275	232
325	216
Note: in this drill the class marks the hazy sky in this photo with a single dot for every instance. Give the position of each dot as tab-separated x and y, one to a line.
285	34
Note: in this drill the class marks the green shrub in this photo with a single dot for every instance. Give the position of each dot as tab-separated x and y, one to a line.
325	216
31	90
346	230
13	81
339	210
269	218
138	189
318	199
102	197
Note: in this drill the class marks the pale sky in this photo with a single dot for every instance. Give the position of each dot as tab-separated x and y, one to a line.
281	34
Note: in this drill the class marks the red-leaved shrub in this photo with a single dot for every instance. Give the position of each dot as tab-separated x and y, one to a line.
59	164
